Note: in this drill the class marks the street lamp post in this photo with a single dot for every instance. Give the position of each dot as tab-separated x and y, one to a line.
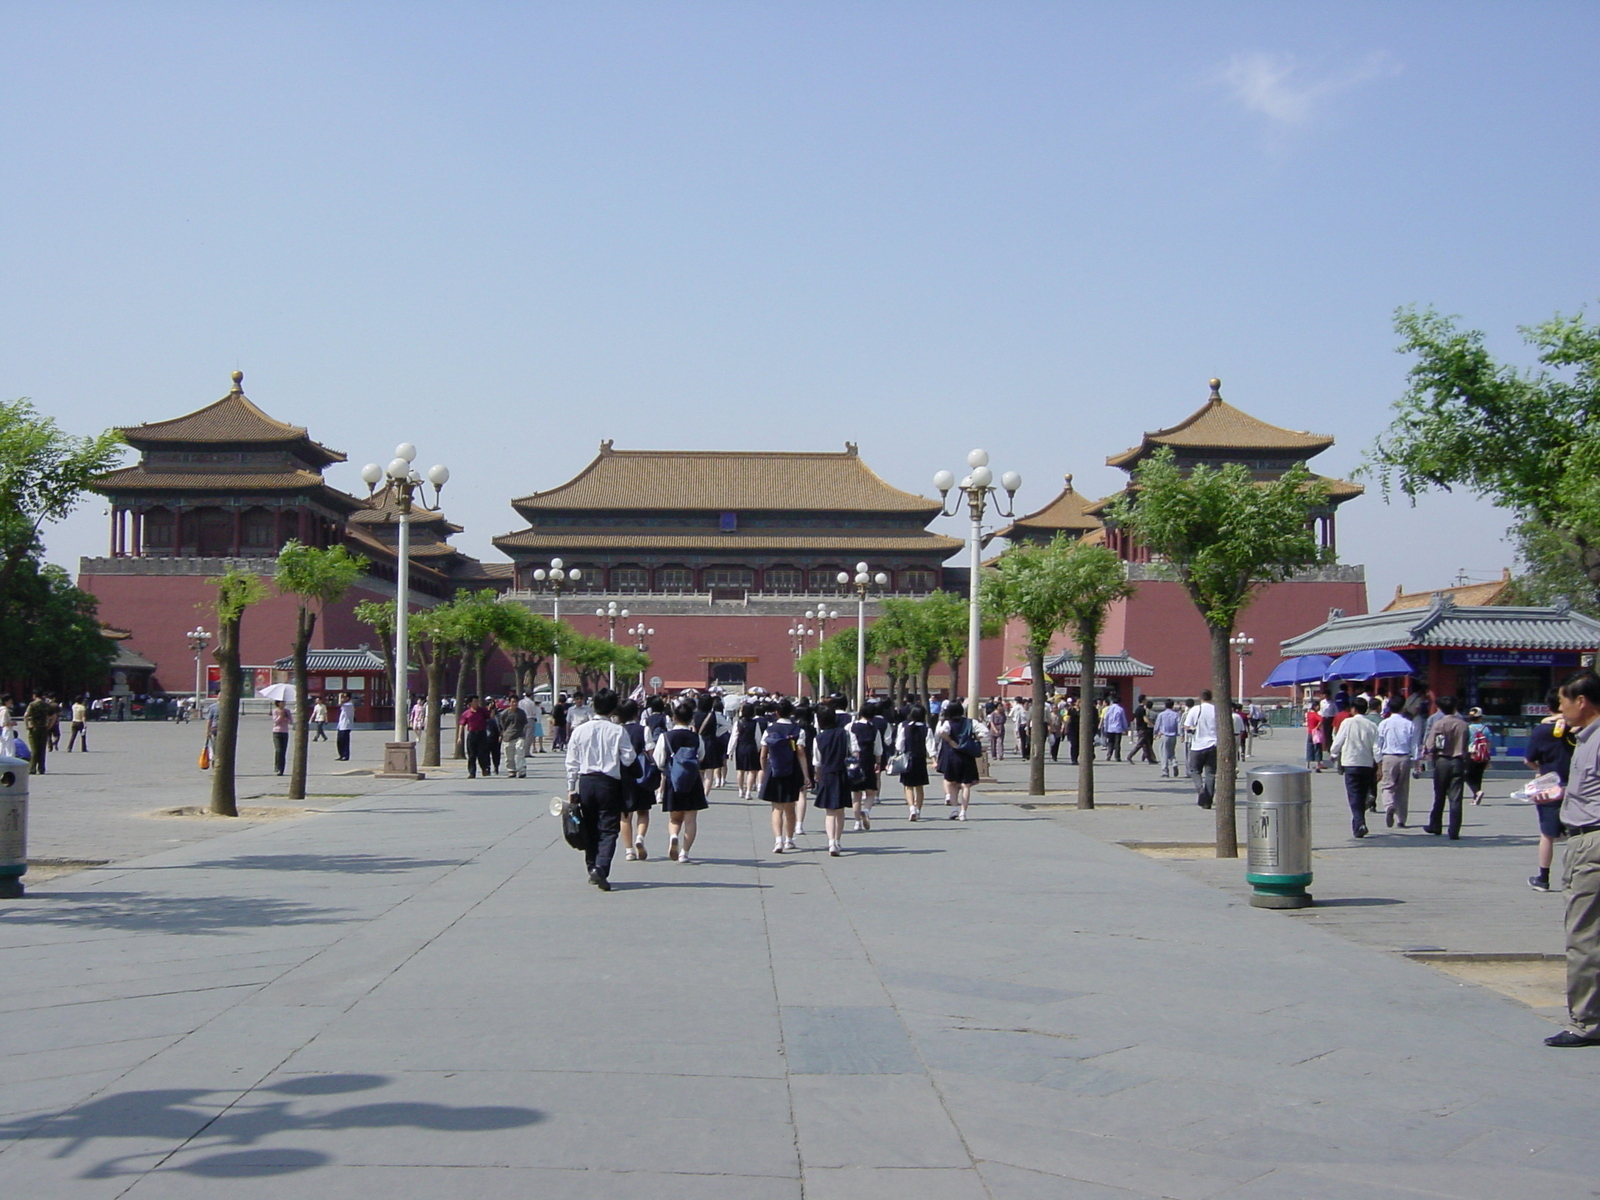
821	616
862	580
199	639
402	482
638	633
1241	646
979	492
797	646
610	613
555	579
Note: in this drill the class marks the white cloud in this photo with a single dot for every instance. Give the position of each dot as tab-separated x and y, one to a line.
1276	85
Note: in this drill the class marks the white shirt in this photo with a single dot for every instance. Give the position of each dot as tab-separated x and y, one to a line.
1201	724
347	715
1397	735
1356	742
598	748
579	714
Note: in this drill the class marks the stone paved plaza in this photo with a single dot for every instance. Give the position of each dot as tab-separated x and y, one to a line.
413	989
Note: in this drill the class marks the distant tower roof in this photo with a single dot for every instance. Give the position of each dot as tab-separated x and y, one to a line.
1068	513
233	420
1219	426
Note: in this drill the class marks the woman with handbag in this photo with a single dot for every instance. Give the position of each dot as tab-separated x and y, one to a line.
783	767
959	750
910	760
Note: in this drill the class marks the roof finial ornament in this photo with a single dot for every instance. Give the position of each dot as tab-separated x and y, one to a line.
1068	478
606	444
238	381
851	448
1216	389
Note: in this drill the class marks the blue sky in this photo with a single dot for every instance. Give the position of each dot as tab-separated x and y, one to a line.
505	232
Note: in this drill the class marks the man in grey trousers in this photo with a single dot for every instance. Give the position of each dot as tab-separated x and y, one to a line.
1580	813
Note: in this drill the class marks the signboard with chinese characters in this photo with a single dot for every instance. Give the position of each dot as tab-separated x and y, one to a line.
1510	658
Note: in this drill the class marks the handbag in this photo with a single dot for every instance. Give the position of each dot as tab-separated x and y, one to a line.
205	756
969	744
899	764
572	824
855	777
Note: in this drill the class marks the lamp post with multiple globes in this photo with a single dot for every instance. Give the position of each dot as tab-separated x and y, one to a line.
797	646
821	615
403	482
1241	646
199	639
862	580
556	578
639	633
610	613
978	490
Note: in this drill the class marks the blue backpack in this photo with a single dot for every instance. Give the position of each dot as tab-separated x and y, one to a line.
683	769
649	775
781	759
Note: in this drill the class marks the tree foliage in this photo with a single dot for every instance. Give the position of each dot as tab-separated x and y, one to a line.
1529	440
54	640
44	472
314	576
1223	535
1065	585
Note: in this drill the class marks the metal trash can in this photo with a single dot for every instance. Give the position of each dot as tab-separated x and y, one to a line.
13	826
1278	814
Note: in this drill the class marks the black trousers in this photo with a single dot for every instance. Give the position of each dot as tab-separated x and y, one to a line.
1025	741
1203	766
280	751
342	742
1360	788
1146	747
477	752
1449	774
600	805
1113	747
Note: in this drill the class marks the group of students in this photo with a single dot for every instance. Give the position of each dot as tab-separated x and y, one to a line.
793	756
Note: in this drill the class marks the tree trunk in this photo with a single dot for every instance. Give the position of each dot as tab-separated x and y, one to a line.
955	682
224	748
478	656
304	627
430	725
1227	748
922	684
1036	724
1088	645
461	703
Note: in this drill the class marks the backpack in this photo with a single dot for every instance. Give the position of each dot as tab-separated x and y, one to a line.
683	769
648	775
782	759
1481	751
967	743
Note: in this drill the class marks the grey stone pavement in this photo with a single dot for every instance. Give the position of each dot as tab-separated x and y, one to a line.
416	991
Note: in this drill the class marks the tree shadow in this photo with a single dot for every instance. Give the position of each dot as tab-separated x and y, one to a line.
202	1119
139	911
1347	902
352	864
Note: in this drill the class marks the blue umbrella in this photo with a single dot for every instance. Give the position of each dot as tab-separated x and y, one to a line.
1308	668
1368	664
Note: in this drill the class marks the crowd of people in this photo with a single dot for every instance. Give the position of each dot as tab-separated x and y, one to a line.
39	733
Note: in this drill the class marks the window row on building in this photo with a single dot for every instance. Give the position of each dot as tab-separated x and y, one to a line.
677	577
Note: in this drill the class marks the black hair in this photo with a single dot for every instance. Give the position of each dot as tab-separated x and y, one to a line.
1585	685
627	711
1205	695
683	711
1553	700
826	717
605	702
1360	704
1447	704
785	709
656	704
704	703
917	713
953	709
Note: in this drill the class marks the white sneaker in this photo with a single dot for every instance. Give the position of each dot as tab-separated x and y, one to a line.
777	846
631	856
788	844
833	849
683	856
962	815
855	826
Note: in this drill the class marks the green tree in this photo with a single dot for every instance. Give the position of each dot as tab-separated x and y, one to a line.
834	658
1550	574
477	617
1529	440
1063	585
54	641
436	634
236	591
43	474
378	615
1223	535
315	577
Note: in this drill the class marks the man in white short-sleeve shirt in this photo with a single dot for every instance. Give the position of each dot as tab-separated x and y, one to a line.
1201	724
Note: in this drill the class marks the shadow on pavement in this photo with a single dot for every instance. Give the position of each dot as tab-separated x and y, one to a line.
200	1119
165	914
354	864
1349	902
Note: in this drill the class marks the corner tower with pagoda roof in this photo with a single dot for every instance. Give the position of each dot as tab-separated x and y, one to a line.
230	485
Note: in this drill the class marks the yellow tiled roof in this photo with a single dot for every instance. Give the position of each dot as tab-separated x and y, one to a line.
1468	595
555	539
1069	511
232	419
1219	425
727	481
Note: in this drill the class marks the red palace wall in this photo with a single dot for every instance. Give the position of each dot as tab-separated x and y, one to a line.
160	609
1159	625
